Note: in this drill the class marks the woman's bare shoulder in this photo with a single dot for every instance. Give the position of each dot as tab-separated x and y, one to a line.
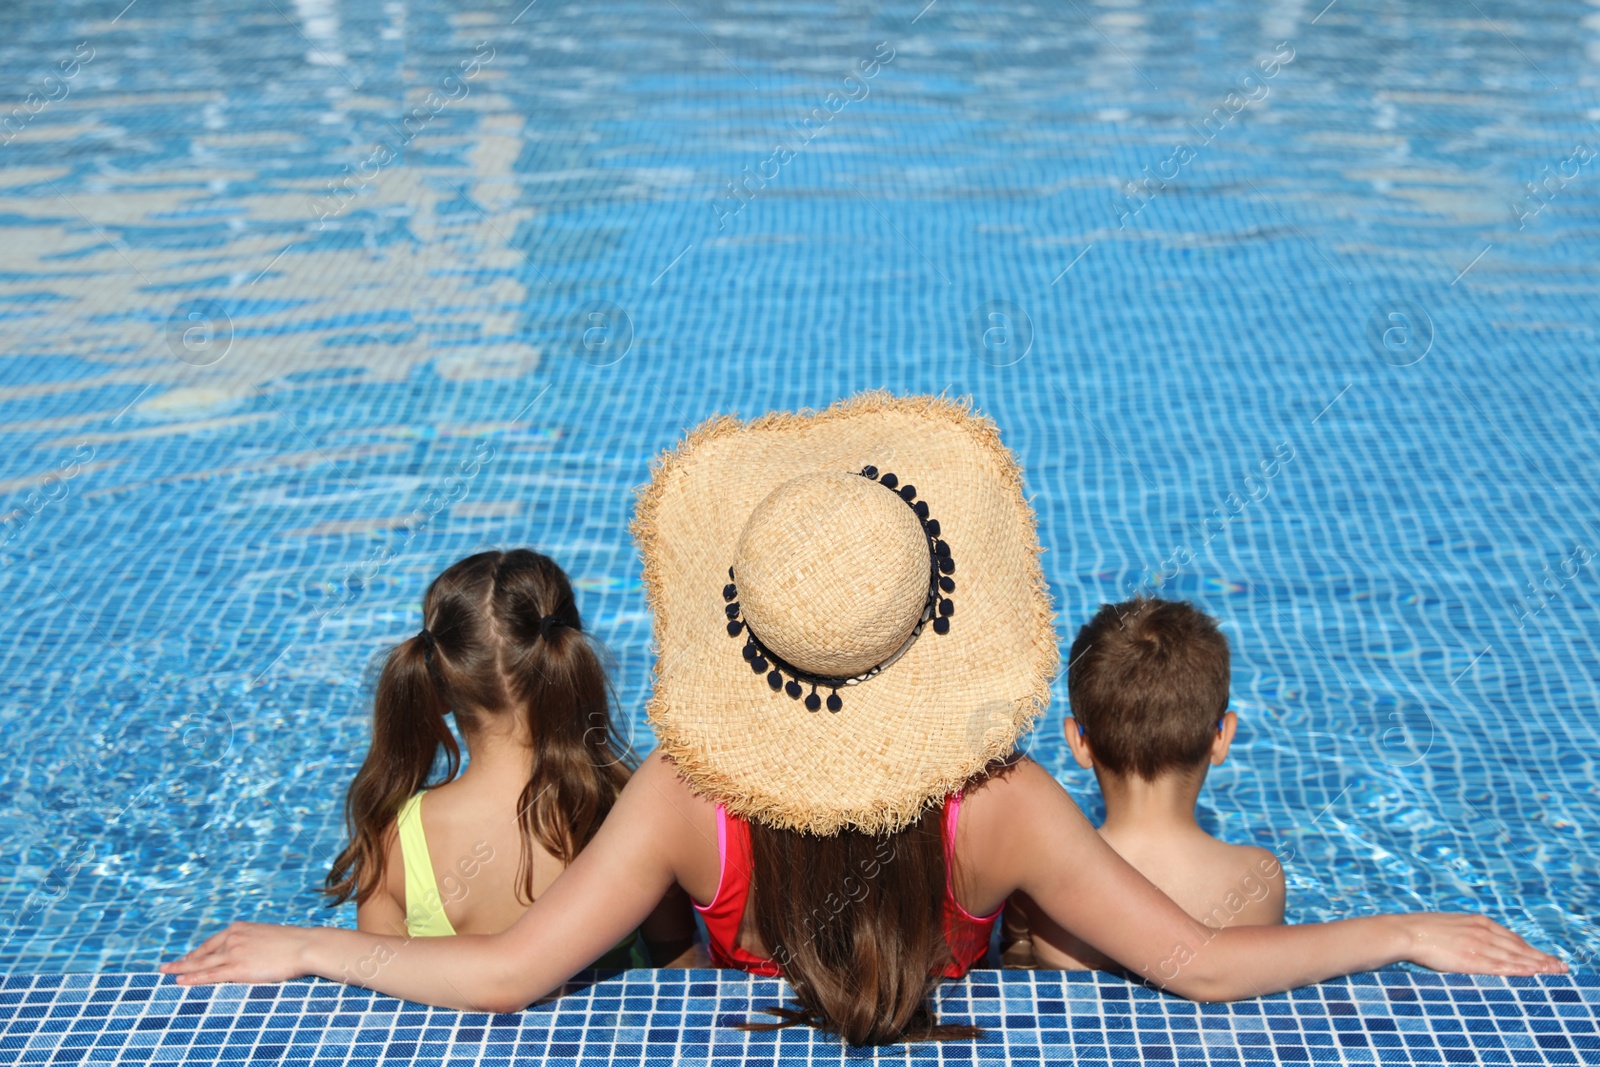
658	787
1010	782
1006	815
662	775
666	814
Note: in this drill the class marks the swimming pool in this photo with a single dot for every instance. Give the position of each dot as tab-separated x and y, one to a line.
1285	309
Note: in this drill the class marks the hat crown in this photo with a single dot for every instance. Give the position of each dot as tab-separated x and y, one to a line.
833	573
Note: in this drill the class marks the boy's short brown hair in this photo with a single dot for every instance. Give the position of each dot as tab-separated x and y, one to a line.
1148	681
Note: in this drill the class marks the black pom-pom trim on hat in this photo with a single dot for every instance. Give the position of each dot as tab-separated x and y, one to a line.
834	703
888	481
734	627
932	526
813	702
775	679
869	471
732	610
947	583
941	625
947	608
947	565
759	664
792	687
921	508
908	492
730	591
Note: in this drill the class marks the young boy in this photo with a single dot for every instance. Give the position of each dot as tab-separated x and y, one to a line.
1148	684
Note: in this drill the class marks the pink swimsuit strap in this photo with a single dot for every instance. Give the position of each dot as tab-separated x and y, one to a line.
952	812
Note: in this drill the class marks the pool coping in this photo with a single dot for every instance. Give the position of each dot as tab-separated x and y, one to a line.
685	1016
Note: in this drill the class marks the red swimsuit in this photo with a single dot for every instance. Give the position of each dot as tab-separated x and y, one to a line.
965	933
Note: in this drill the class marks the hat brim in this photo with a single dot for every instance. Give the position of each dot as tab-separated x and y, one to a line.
921	729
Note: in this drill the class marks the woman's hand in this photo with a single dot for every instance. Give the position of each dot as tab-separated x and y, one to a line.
1029	835
245	952
1471	944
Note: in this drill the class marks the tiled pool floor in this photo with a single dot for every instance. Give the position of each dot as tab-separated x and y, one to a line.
660	1017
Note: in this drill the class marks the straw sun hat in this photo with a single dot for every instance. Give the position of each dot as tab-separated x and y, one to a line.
851	619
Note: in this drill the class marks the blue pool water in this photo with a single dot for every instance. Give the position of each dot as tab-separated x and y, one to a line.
1287	309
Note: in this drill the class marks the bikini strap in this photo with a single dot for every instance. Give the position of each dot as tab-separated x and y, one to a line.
425	915
952	813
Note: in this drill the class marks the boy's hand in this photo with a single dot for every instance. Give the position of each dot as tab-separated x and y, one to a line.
245	952
1471	944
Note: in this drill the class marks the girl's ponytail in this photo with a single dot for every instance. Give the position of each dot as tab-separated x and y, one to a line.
408	729
503	636
558	683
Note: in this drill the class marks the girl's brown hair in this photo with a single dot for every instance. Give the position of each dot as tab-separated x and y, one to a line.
501	635
856	922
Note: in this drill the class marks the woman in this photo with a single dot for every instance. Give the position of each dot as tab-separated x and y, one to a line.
877	560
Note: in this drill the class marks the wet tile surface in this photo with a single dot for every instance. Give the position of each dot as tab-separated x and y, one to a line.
686	1017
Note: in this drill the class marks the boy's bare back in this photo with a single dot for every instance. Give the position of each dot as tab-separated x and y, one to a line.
1221	885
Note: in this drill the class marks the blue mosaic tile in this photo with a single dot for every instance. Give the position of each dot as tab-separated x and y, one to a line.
592	1022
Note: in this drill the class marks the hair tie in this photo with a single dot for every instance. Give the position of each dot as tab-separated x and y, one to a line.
426	637
549	625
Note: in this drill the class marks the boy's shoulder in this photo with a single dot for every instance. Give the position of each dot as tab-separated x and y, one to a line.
1252	859
1247	886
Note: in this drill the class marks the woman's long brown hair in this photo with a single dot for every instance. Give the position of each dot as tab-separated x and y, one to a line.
856	922
506	638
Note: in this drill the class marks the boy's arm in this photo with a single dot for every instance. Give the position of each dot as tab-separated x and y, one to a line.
1049	850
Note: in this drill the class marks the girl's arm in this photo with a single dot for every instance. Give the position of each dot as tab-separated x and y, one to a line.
669	932
382	912
1048	849
608	891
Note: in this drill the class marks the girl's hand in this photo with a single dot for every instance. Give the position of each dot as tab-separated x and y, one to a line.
1471	944
245	952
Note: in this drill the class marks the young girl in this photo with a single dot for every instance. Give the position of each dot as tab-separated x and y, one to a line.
502	649
863	852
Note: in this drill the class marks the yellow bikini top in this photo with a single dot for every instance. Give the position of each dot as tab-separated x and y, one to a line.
425	915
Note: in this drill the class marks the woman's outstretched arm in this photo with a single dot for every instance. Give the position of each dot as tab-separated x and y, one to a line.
608	891
1040	842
